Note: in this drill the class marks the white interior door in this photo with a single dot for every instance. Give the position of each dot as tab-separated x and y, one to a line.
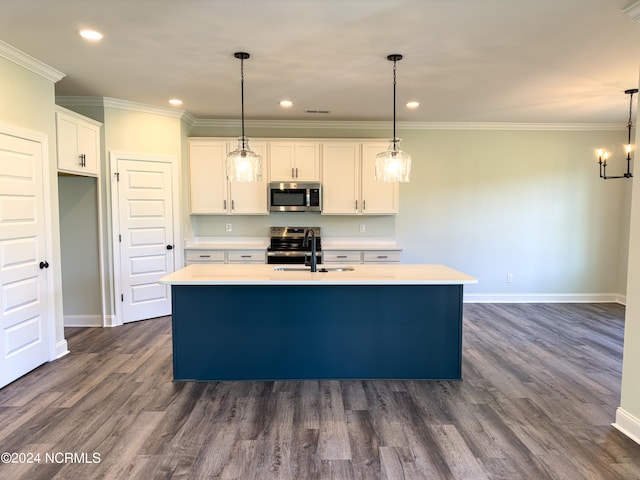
23	267
146	238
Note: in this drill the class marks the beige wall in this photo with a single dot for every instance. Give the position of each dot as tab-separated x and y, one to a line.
134	132
528	203
27	102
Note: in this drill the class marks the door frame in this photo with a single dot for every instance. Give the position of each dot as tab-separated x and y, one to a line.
56	348
114	157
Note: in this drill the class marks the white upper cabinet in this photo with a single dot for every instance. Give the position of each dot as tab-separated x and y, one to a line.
78	143
294	161
348	181
208	184
210	193
340	178
378	198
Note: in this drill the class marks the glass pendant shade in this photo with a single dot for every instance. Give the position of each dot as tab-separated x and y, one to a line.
243	165
393	165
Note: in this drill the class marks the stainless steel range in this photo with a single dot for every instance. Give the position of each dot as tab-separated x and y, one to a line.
287	245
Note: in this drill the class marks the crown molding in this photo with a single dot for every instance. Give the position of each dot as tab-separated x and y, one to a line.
27	61
327	124
633	10
80	101
377	125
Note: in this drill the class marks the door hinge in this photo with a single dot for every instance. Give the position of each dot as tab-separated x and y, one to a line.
117	176
122	297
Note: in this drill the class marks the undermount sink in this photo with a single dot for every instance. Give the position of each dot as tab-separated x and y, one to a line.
308	269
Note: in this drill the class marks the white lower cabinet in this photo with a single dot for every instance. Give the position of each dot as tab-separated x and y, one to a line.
197	255
361	256
204	256
339	256
246	256
381	256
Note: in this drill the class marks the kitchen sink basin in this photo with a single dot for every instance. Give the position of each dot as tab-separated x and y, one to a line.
308	269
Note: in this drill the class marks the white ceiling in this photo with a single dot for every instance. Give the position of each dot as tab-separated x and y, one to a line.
566	61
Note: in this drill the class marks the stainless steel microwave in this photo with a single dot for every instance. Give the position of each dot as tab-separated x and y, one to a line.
295	197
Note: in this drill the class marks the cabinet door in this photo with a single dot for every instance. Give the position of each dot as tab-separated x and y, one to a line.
281	167
207	177
294	161
340	178
67	141
78	143
378	198
88	146
250	198
307	161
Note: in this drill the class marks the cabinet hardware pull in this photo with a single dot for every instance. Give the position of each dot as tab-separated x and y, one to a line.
293	175
205	256
169	247
296	172
356	204
225	204
233	204
383	256
364	204
44	265
245	256
341	256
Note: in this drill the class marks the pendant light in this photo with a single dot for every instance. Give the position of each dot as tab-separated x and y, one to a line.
242	164
393	165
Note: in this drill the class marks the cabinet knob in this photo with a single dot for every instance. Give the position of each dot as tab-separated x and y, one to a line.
169	247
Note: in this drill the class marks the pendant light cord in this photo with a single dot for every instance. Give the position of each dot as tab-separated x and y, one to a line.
394	105
242	97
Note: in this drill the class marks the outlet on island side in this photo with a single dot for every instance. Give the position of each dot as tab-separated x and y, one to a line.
228	227
509	277
362	228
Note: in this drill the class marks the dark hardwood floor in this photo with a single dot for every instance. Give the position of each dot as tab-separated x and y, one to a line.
541	386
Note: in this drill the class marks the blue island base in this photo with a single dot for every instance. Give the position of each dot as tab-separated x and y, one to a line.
294	332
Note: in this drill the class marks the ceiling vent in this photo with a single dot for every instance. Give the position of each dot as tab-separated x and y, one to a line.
316	111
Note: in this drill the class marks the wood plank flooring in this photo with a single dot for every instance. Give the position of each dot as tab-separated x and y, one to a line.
541	386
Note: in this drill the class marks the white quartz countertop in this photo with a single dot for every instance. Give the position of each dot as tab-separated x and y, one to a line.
363	274
227	243
261	243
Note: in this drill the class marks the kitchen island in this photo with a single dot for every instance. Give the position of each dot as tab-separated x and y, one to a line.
264	322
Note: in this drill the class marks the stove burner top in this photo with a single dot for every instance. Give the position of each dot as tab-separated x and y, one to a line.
290	239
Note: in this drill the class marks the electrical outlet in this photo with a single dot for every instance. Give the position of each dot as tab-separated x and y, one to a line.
362	228
509	277
228	227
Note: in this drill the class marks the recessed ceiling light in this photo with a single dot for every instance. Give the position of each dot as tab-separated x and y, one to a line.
91	35
286	103
413	104
176	102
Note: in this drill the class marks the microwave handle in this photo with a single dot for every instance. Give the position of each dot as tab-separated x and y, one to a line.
308	195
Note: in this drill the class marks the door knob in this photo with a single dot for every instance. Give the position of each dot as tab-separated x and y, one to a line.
169	247
44	265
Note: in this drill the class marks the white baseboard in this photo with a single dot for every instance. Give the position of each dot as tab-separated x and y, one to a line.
544	298
83	321
61	349
112	321
627	424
